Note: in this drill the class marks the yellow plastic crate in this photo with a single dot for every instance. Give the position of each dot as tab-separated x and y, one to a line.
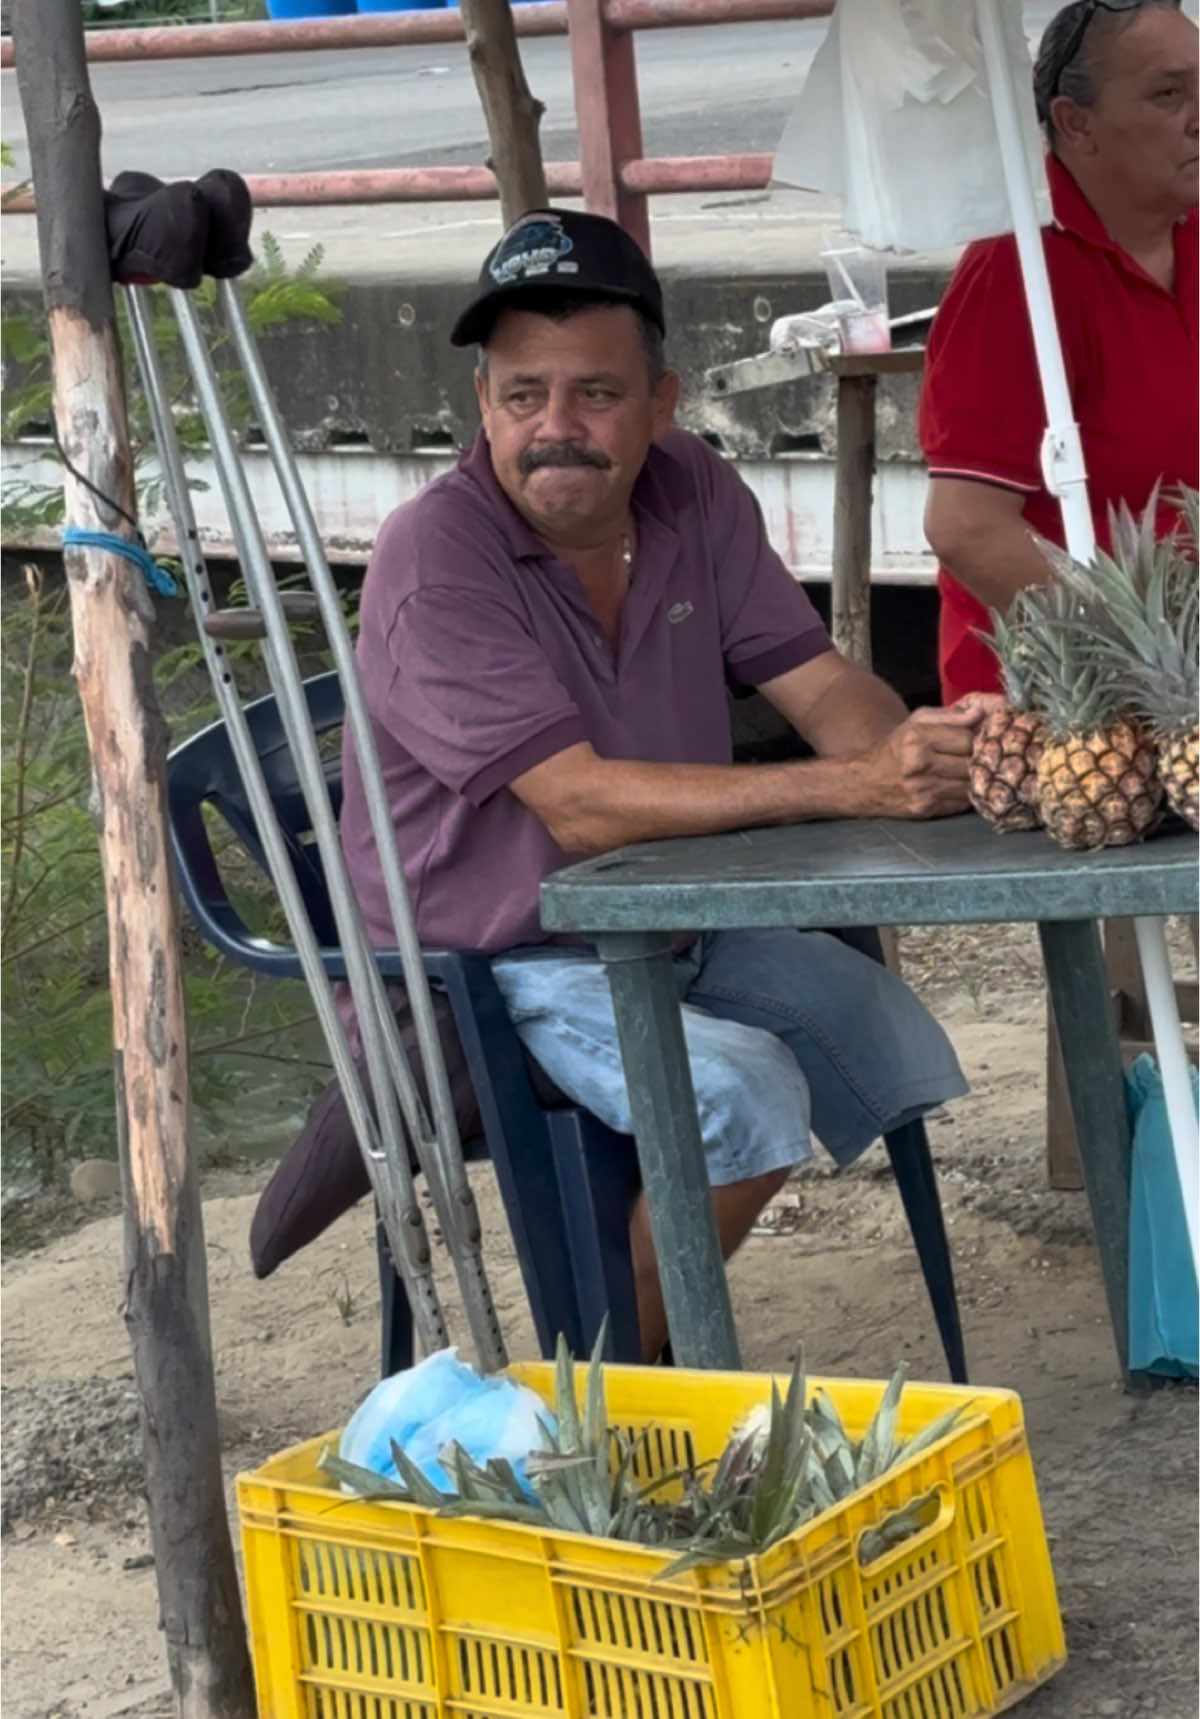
381	1611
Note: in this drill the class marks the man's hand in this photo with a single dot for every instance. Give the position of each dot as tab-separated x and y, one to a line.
920	770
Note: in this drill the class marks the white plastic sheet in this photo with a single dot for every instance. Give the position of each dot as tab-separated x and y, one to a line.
895	120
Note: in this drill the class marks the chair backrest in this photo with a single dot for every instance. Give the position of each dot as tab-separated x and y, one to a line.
203	772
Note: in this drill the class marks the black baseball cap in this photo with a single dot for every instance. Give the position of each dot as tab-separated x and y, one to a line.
567	251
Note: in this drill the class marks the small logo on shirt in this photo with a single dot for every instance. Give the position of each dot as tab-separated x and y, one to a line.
678	612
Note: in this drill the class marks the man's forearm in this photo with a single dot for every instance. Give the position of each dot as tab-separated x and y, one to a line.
856	712
619	801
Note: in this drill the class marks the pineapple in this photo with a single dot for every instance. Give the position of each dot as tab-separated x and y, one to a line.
1175	718
1002	777
1098	781
1162	679
1141	604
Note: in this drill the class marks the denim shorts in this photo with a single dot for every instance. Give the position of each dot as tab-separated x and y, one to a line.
791	1035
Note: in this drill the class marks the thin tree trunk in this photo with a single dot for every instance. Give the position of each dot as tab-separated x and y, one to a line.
511	112
166	1292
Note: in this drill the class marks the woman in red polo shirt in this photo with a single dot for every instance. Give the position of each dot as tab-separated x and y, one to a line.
1116	92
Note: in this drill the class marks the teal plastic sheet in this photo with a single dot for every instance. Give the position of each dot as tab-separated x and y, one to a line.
1164	1304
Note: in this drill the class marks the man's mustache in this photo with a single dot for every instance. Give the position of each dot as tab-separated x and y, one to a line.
561	454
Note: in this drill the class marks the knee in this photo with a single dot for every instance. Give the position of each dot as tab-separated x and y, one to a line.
753	1074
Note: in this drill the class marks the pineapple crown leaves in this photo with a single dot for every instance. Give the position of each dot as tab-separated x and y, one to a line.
571	1475
781	1477
1187	500
1044	669
879	1445
784	1464
1076	688
1133	626
1009	642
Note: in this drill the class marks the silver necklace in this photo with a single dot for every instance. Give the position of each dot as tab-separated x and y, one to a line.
627	552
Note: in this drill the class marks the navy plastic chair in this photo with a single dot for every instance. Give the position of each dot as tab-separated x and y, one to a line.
568	1183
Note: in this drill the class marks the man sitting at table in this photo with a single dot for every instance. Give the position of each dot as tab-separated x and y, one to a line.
546	637
1115	85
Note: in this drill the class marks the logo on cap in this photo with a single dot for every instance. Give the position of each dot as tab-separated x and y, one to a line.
532	248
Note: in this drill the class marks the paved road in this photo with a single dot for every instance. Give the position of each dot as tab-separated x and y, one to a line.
716	90
703	91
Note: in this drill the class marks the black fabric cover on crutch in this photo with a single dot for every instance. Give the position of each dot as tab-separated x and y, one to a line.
175	233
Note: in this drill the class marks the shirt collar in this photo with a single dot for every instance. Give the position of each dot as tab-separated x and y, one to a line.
1072	211
658	492
1074	214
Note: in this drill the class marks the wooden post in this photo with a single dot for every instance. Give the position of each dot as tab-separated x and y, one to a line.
511	112
166	1307
604	73
850	598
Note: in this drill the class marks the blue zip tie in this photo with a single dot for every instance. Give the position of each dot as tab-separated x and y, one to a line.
157	577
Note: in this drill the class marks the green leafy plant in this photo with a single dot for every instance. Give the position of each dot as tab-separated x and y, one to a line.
57	1093
56	1102
274	297
13	188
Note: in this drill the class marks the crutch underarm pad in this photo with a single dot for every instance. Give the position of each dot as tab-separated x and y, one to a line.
176	233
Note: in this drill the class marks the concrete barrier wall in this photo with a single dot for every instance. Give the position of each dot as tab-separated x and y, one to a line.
380	402
387	377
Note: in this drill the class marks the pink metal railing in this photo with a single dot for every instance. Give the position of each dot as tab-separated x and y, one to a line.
612	175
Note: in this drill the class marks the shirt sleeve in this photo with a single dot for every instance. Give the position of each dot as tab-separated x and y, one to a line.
981	413
455	675
768	623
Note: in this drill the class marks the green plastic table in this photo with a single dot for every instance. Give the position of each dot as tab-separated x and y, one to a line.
951	871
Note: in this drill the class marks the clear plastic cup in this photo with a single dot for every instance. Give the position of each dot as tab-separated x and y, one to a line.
858	282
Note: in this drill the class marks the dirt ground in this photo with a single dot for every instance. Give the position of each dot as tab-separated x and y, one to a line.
831	1266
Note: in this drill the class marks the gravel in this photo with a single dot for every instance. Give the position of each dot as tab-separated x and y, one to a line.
69	1444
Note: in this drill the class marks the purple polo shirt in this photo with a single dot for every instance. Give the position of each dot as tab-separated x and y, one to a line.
480	657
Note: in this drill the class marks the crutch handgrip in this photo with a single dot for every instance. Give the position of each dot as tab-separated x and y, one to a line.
251	624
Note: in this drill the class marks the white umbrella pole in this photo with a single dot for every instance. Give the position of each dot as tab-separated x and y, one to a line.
1172	1060
1062	450
1065	476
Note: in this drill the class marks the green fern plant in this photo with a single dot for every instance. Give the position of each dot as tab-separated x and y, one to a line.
274	295
56	1101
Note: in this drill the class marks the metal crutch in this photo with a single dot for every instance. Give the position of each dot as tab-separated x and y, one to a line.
436	1141
381	1043
366	985
386	1156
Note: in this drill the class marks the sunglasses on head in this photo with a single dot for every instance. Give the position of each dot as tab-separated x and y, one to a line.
1085	11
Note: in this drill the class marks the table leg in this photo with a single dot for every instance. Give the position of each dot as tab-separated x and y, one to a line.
670	1150
1078	983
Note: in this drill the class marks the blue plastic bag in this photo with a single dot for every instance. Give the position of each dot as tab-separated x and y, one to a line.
439	1401
1164	1305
